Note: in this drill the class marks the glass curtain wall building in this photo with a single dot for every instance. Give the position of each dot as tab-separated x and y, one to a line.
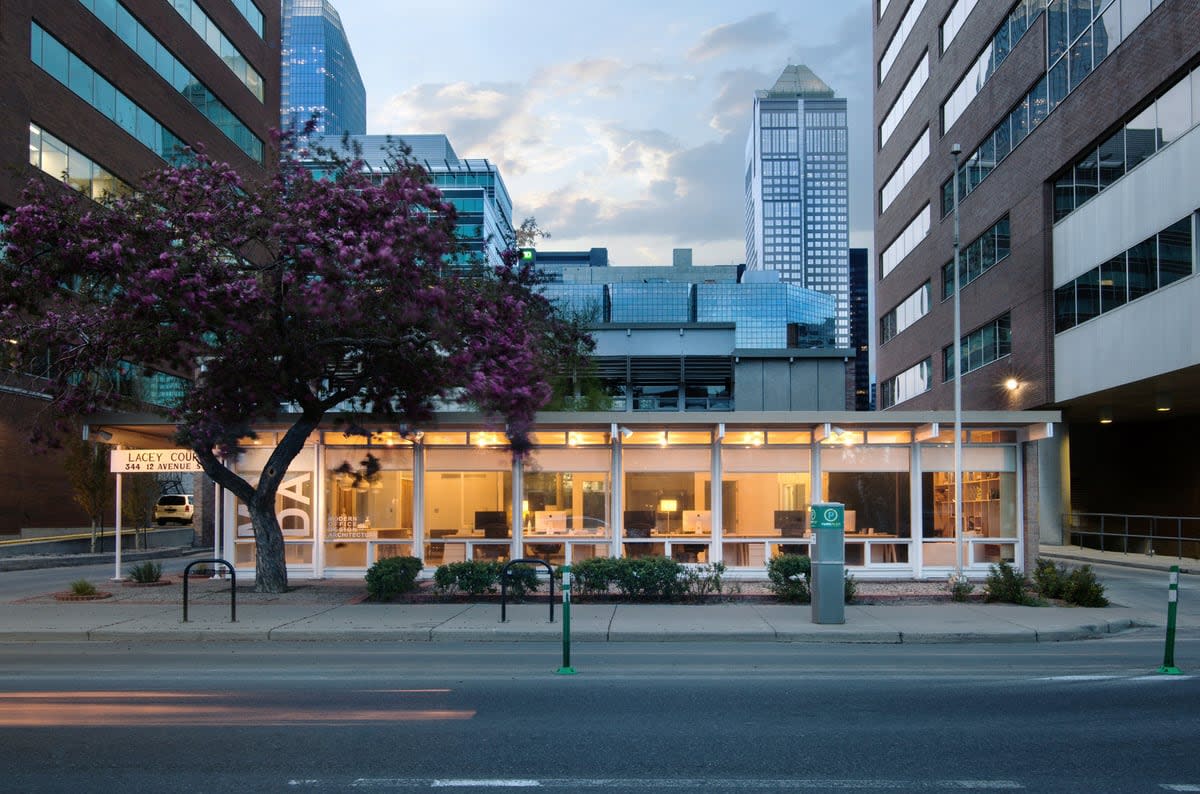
318	72
797	188
474	186
98	93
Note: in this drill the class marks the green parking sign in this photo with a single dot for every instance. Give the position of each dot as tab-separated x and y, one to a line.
828	515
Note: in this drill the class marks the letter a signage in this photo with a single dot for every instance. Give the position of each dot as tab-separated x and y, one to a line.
153	461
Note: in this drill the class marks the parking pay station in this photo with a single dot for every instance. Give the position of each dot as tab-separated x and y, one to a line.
828	522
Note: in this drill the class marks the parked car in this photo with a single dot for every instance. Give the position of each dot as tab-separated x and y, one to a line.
173	507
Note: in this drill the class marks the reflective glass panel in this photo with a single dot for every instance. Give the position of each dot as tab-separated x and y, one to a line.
1113	291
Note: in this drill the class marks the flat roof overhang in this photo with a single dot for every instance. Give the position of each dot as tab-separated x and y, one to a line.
151	431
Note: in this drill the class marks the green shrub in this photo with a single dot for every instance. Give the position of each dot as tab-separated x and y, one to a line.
522	579
1005	584
704	580
1050	578
471	577
595	575
651	579
392	576
960	586
477	577
146	572
82	587
1082	589
849	588
789	575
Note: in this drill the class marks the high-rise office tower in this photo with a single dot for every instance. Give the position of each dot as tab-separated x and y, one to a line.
318	73
98	94
797	189
1078	133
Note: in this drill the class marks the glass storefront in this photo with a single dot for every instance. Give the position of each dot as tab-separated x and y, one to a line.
468	504
565	504
667	496
448	496
765	496
368	513
294	507
989	505
874	483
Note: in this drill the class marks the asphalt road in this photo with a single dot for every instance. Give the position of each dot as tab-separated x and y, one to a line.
1069	717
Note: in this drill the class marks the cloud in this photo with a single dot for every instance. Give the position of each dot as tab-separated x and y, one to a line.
735	100
752	32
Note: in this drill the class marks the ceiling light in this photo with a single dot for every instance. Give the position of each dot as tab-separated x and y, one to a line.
1162	403
1106	415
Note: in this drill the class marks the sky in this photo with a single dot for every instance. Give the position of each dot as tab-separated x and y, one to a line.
619	125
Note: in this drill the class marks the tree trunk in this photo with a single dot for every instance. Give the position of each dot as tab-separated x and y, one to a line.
270	566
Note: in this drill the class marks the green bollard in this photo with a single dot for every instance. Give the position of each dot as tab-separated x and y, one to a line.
566	668
1168	665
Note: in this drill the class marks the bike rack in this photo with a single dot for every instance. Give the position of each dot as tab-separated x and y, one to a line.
232	587
504	585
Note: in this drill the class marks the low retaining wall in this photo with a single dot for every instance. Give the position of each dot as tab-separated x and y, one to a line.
153	538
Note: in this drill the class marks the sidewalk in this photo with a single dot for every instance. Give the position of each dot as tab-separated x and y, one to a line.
100	621
332	611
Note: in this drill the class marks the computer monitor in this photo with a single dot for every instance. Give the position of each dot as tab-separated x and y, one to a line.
494	523
791	523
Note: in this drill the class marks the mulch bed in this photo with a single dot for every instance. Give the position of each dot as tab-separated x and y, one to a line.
76	597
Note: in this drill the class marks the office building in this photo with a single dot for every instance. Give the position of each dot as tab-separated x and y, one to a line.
860	331
1079	128
100	93
708	486
797	188
699	338
318	73
474	186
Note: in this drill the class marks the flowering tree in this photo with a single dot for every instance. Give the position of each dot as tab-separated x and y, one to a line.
291	297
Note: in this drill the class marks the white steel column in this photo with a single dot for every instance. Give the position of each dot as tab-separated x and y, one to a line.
716	500
318	538
616	496
117	529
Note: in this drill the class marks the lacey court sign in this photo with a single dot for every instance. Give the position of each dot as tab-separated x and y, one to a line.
153	461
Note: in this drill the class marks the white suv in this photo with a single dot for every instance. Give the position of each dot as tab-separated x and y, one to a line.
173	507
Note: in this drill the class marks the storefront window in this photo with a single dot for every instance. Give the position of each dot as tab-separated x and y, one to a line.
989	503
667	503
765	493
369	505
293	508
874	484
565	505
468	504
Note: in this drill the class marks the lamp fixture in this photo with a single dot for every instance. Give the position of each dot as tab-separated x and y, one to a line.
1012	384
626	432
668	506
1162	402
1106	415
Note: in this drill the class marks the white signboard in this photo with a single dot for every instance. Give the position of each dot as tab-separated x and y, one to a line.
153	461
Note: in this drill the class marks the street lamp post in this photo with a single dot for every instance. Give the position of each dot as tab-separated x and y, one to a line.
956	150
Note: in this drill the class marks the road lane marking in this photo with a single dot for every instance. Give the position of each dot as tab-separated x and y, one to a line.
486	784
1180	786
691	784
